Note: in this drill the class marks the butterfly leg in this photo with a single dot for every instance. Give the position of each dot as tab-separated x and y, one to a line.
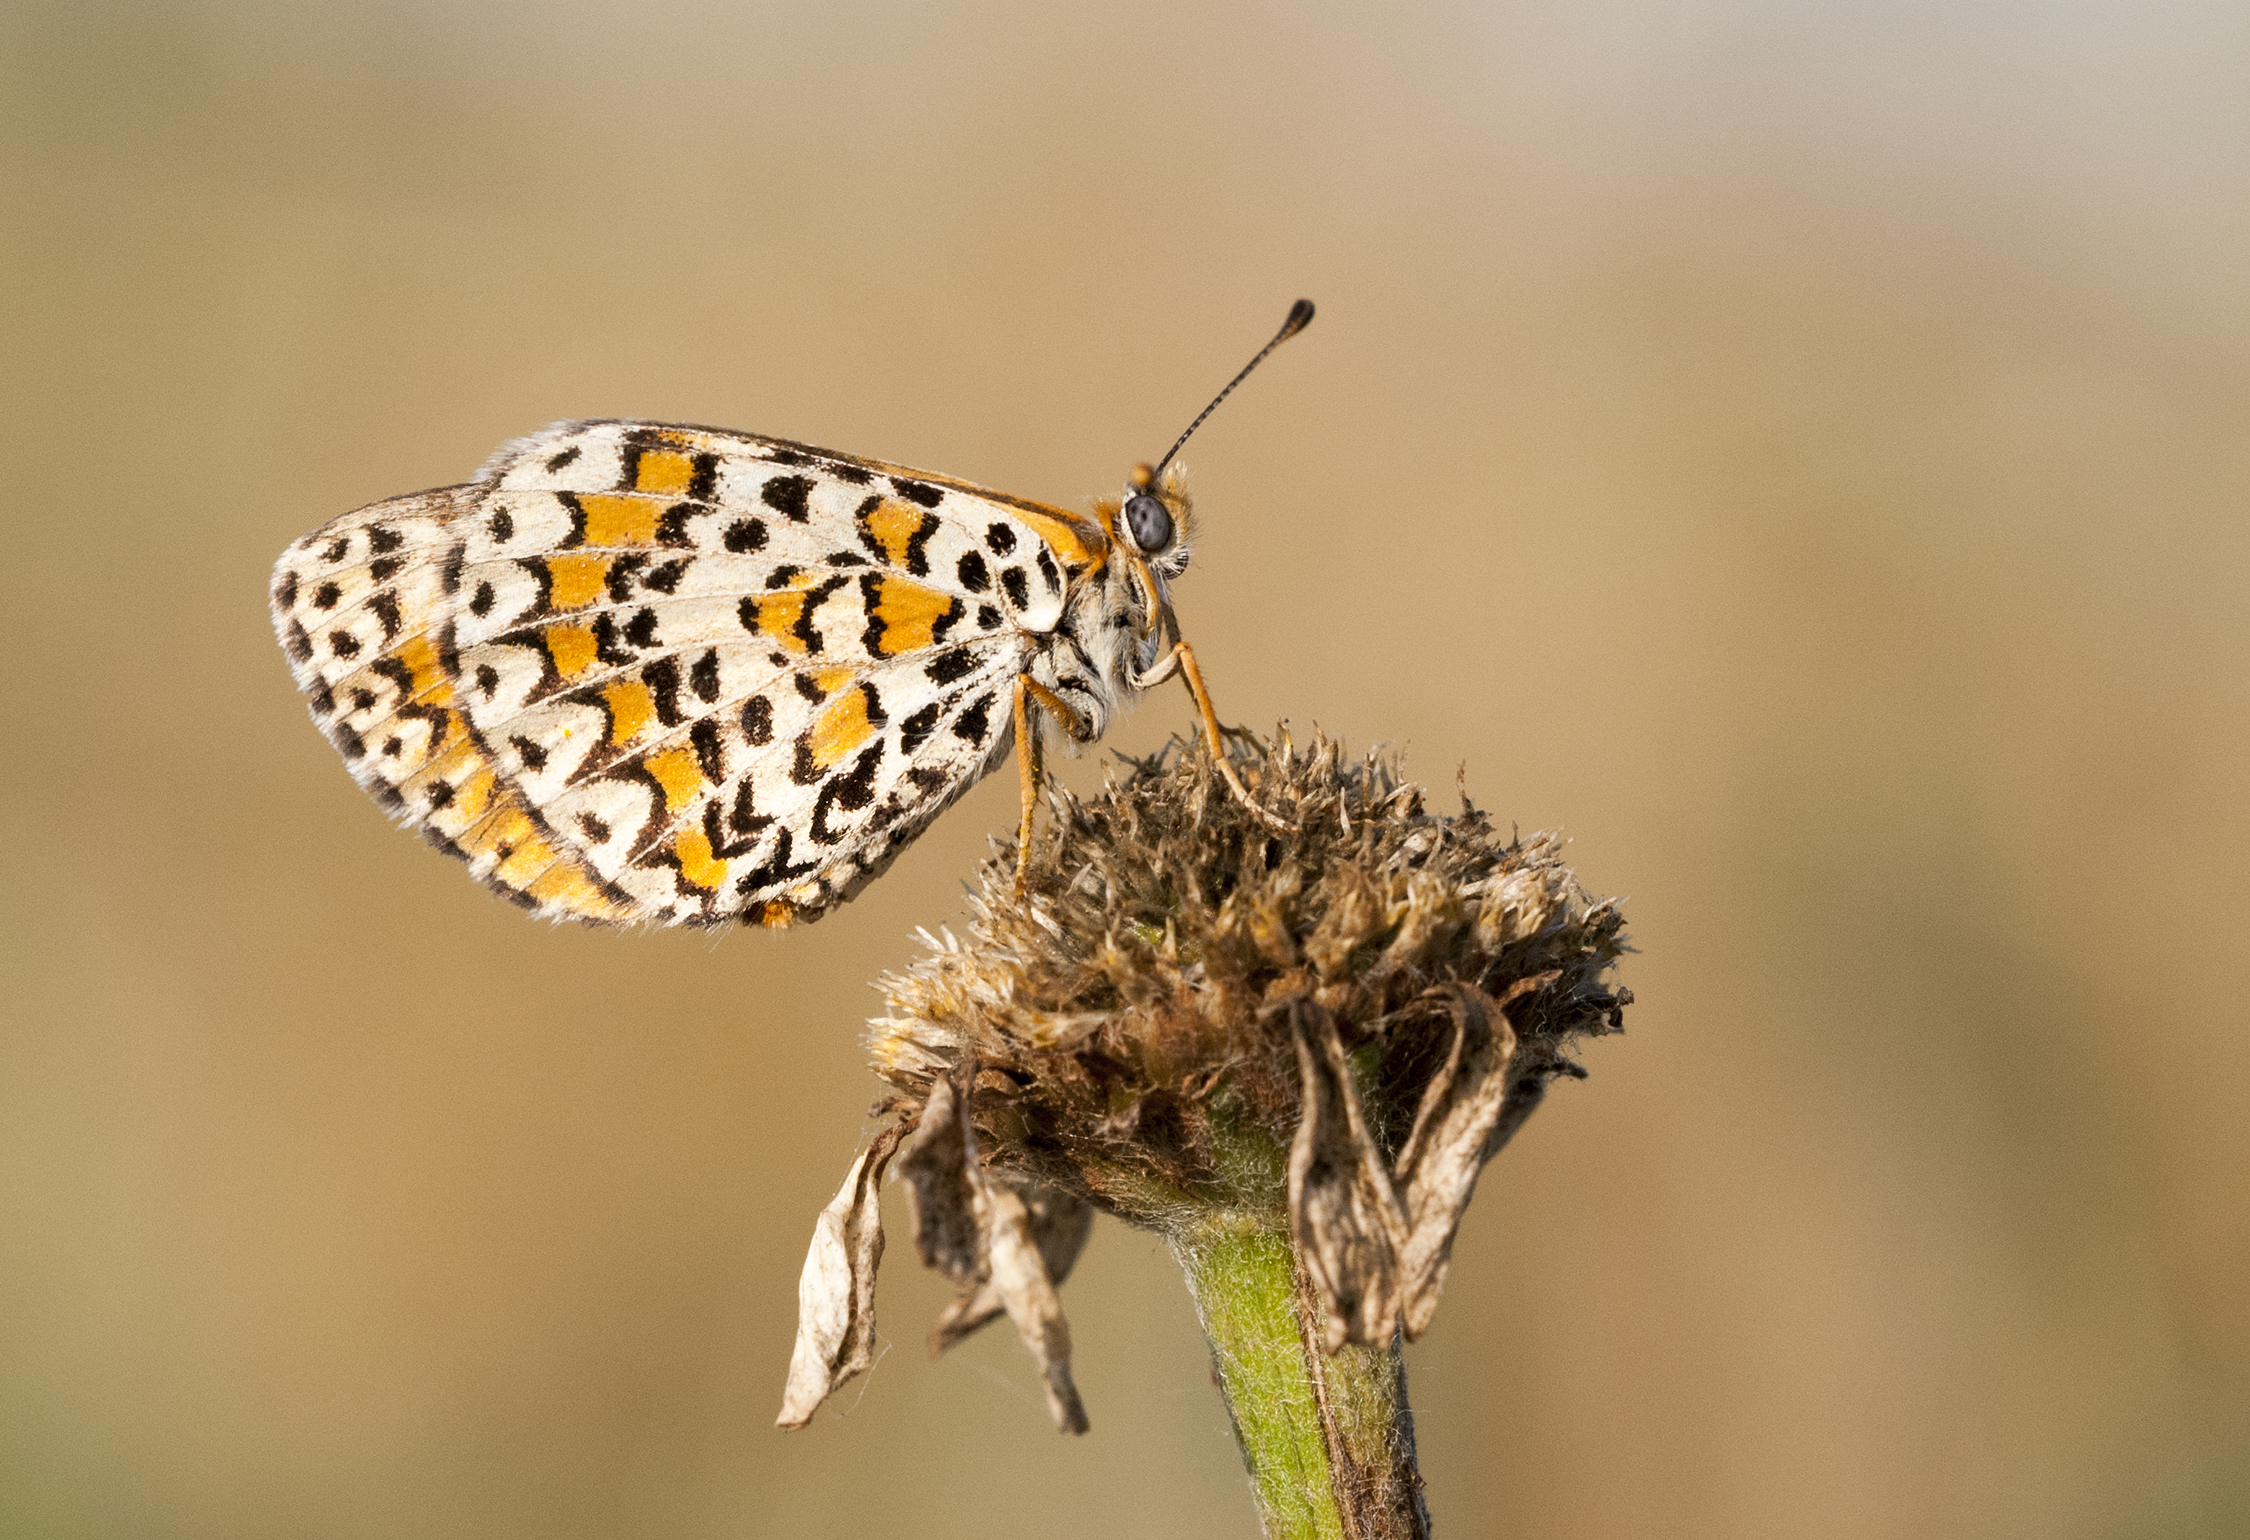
1030	768
1181	660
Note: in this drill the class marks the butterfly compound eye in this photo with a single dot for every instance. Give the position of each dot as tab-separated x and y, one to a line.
1150	521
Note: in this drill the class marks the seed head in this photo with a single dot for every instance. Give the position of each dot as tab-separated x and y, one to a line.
1188	1020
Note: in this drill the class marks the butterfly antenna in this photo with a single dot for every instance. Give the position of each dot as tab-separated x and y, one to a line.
1300	317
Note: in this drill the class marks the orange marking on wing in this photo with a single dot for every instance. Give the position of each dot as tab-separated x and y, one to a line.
619	518
508	826
631	708
697	864
678	772
463	767
420	655
572	648
575	580
908	611
528	860
1077	544
828	680
841	728
474	795
778	615
894	524
566	885
664	472
773	914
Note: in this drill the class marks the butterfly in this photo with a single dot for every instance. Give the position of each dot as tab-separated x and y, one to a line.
642	671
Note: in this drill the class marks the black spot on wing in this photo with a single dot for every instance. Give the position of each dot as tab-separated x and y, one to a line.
850	790
916	729
383	541
703	678
556	462
1047	572
757	720
621	573
943	626
954	663
663	680
918	491
745	535
502	526
285	591
607	644
385	568
1000	538
975	724
1018	586
481	602
704	735
396	671
788	496
974	575
534	757
671	525
326	596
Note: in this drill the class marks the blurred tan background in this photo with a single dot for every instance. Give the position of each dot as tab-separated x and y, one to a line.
1798	449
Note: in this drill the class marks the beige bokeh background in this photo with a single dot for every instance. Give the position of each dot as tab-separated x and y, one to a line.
1799	449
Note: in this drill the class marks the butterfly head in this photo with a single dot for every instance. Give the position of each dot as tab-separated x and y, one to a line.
1155	520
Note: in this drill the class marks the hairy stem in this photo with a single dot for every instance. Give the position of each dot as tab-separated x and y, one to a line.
1328	1440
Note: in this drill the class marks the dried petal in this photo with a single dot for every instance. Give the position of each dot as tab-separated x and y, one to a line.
977	1230
1437	1168
939	1165
1060	1224
1344	1214
1028	1294
836	1291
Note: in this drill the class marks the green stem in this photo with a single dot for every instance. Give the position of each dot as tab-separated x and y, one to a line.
1328	1440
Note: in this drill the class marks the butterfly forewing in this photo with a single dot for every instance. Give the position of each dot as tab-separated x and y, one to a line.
678	674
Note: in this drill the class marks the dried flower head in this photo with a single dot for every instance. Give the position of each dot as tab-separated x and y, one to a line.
1189	1021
